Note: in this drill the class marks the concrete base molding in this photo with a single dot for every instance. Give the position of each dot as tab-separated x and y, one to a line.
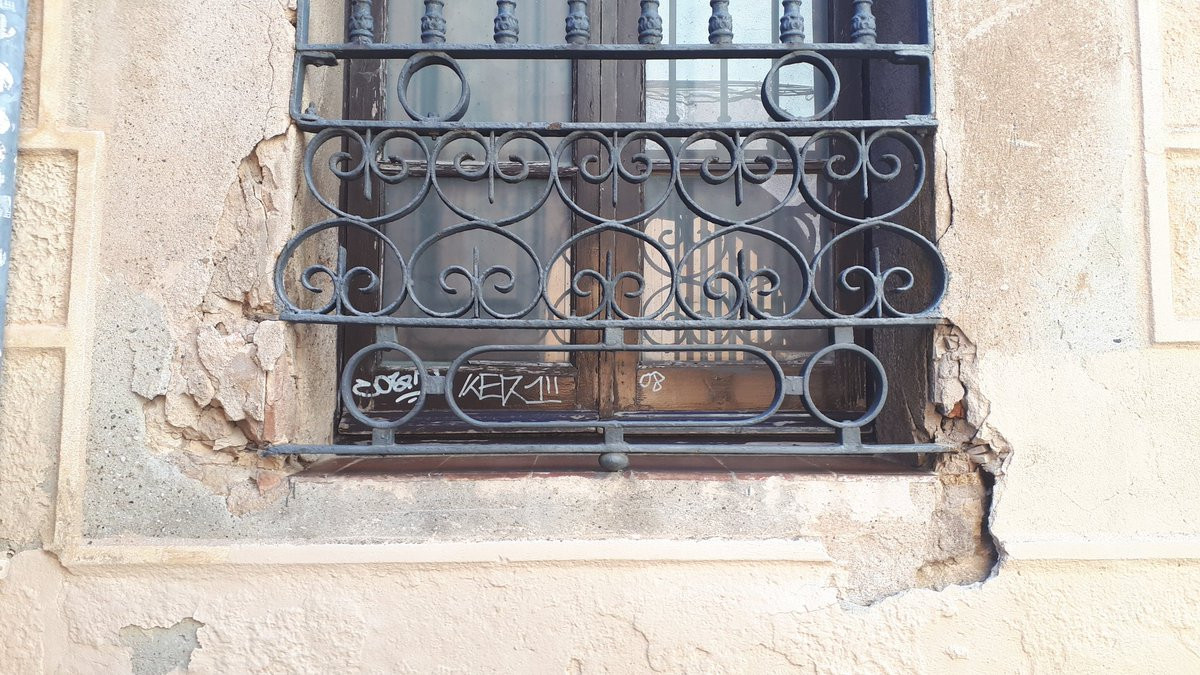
599	551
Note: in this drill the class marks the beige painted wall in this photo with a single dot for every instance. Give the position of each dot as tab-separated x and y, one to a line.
158	177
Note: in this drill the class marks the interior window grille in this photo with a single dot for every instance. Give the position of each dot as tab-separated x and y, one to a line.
616	227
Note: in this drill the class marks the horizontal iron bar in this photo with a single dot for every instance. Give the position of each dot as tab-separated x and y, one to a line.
417	167
552	129
899	53
622	324
600	448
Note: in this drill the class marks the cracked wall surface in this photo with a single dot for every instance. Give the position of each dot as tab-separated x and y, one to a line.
192	377
212	375
615	618
140	529
1047	244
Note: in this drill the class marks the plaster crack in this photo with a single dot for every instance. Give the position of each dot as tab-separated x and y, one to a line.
951	217
786	656
269	25
632	623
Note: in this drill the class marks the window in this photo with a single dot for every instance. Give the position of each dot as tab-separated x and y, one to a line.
620	227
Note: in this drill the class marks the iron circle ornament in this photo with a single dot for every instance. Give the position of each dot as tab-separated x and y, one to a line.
881	391
418	63
347	386
819	64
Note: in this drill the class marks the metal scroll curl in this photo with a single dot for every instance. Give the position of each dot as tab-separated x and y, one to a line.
741	169
338	280
479	278
840	168
490	168
615	160
880	285
620	160
363	159
738	288
611	284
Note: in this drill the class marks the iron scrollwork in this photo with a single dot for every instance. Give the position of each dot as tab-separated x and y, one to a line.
859	177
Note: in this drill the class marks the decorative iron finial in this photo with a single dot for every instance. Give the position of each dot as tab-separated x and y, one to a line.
579	28
433	22
507	28
720	24
362	23
791	24
650	30
862	24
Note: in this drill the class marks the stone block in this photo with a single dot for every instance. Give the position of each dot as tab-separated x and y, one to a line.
1183	204
42	229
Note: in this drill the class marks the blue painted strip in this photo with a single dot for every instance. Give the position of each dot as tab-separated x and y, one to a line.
12	72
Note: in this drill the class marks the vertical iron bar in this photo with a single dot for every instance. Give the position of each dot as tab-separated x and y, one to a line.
720	24
791	24
650	26
12	61
851	439
507	28
579	28
776	32
362	23
672	74
302	21
862	24
433	22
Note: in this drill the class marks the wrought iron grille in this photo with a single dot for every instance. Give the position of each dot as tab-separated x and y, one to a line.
858	176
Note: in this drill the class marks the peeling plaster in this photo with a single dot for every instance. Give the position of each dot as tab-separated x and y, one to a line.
958	416
959	412
161	650
227	389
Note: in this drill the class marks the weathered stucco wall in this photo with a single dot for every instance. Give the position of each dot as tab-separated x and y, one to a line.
159	177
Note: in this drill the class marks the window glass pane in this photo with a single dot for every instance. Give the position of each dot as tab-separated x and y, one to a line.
501	90
707	90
